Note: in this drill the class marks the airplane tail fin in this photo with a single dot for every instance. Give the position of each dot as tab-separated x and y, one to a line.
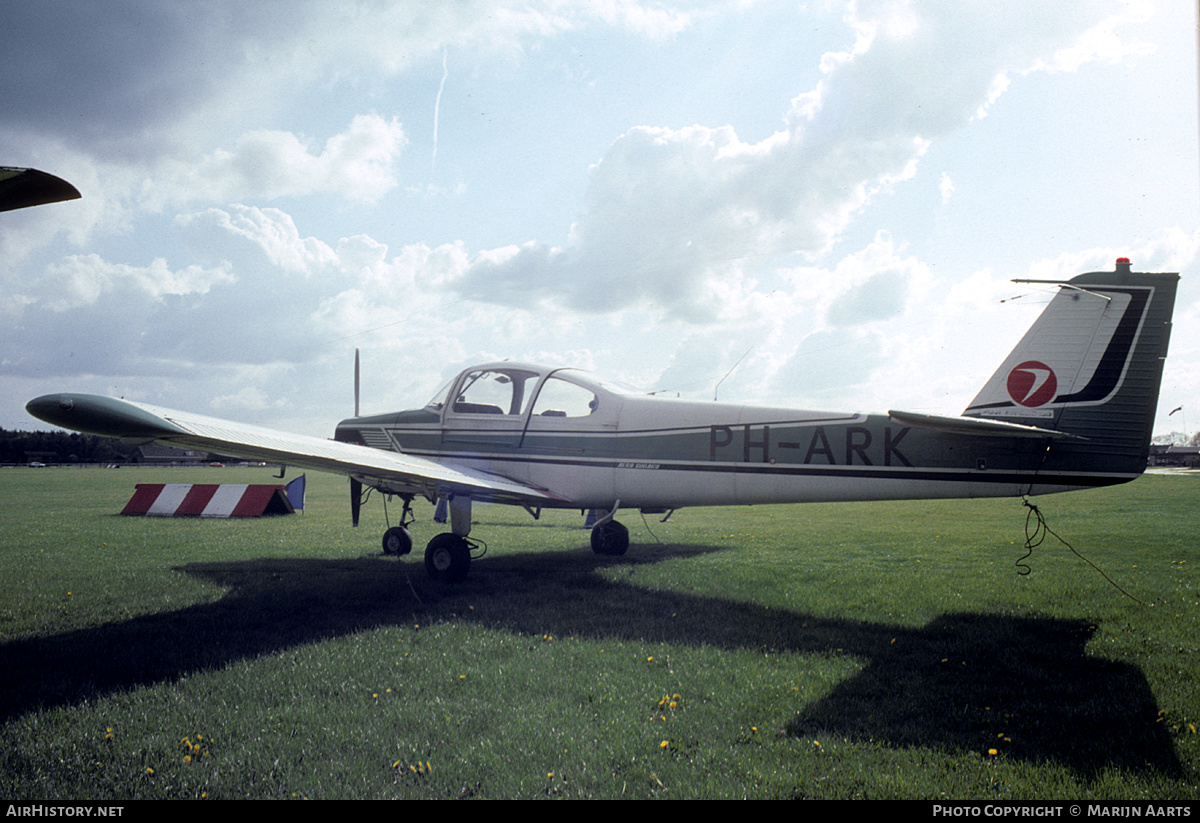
1089	367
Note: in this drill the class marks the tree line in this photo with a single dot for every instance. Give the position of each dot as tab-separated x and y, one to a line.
60	447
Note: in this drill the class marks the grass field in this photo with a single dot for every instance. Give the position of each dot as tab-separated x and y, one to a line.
823	651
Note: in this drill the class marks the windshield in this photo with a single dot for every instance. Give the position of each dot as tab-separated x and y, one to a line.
439	399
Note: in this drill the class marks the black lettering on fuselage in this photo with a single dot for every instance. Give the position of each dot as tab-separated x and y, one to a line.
823	448
889	446
857	440
764	444
756	445
718	437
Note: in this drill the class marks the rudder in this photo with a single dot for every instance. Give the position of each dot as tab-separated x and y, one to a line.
1091	366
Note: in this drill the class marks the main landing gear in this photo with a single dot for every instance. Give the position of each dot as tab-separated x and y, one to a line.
448	555
448	558
610	538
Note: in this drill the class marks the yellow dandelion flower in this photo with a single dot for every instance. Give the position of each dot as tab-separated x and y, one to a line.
664	744
187	758
992	752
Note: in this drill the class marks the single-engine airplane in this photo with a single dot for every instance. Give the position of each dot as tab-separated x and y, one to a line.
1070	408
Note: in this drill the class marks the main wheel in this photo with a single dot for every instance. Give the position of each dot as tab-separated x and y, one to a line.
448	558
610	539
397	540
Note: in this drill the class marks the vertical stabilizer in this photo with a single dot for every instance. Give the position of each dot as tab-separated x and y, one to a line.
1090	366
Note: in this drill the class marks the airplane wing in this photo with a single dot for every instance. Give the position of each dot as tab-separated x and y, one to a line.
392	471
975	426
21	188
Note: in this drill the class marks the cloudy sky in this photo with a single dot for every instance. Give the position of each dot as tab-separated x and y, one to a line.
828	198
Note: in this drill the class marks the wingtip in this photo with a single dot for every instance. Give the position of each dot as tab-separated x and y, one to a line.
93	414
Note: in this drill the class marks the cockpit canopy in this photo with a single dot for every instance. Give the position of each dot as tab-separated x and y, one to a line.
516	389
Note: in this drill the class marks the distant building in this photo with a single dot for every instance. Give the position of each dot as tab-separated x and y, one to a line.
153	454
1175	456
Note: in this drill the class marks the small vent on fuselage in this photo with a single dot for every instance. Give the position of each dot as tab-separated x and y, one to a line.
376	439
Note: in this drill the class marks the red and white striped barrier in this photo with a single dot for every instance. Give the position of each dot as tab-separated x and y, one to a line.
207	500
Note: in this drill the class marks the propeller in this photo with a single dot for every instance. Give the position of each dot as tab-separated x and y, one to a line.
355	485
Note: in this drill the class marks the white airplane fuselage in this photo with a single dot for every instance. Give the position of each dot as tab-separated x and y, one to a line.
656	453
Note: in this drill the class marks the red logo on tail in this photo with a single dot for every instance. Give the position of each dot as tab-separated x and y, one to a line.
1032	384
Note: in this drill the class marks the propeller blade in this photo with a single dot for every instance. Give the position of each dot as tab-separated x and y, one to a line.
355	500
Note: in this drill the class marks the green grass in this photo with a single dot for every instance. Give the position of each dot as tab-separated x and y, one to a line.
888	650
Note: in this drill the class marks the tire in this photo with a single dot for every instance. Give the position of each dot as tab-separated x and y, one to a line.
448	558
610	539
397	540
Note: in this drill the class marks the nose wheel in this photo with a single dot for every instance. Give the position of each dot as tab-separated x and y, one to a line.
397	540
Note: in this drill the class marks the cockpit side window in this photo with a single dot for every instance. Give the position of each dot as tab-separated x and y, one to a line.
492	391
561	398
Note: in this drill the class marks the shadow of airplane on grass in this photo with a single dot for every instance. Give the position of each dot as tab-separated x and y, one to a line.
964	682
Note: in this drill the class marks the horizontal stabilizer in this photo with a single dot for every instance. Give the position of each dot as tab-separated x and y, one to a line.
971	425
